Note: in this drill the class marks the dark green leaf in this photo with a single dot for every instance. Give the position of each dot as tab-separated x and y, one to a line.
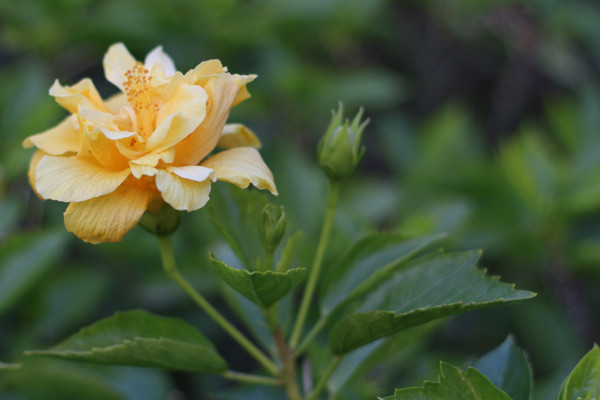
507	368
366	264
52	379
584	381
235	213
453	384
139	338
5	366
24	260
429	288
262	287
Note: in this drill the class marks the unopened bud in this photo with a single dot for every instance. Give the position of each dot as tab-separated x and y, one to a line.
340	150
161	222
271	226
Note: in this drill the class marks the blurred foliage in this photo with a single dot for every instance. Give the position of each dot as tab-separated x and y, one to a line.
484	125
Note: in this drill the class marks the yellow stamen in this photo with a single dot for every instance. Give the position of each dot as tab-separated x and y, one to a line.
137	89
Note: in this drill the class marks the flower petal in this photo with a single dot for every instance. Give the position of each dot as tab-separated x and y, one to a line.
83	93
237	135
242	166
185	188
158	56
221	91
75	179
61	139
178	117
35	160
145	164
117	61
242	81
107	218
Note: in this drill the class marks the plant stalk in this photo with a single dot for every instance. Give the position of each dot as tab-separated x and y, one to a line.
170	267
332	201
288	373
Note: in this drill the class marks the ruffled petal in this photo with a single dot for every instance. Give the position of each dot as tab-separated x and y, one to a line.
99	134
221	93
61	139
205	71
243	94
83	93
237	135
117	61
178	118
185	188
158	57
146	165
108	218
75	179
242	166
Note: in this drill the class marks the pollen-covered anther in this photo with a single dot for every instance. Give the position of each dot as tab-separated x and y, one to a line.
137	89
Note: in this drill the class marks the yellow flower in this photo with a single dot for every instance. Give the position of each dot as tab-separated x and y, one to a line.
112	160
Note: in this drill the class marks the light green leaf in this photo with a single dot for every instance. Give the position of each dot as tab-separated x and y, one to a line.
261	287
429	288
287	253
139	338
23	262
366	264
507	367
584	381
453	384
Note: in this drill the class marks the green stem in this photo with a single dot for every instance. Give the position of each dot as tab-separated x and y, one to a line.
269	262
168	259
323	381
310	336
288	373
250	378
332	200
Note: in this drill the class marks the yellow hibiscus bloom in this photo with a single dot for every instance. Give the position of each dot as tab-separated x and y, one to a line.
112	160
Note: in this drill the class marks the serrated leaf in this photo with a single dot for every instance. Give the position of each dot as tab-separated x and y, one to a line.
139	338
507	367
261	287
432	287
453	384
23	261
366	264
583	383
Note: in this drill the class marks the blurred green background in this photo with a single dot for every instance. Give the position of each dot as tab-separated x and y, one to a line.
485	120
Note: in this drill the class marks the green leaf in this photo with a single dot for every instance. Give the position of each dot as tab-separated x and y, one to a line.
366	264
5	366
23	262
584	381
235	213
431	287
52	379
507	368
453	384
139	338
261	287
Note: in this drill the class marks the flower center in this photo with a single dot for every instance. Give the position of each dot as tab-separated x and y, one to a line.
137	88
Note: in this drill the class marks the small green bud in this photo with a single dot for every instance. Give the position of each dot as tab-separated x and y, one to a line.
271	226
340	150
161	222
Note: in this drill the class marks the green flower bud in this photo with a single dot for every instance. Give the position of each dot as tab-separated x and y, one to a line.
339	150
161	222
271	226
